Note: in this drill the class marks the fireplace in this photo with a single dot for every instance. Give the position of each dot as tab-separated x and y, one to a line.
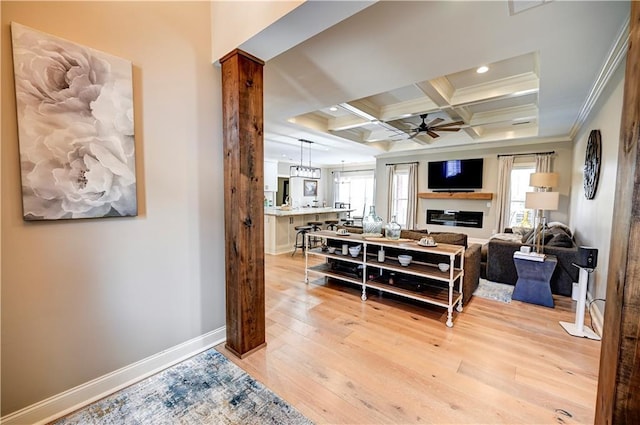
455	218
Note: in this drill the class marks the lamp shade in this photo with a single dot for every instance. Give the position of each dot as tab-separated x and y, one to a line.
543	180
542	200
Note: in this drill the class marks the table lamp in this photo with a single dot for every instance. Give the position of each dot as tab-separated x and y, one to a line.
541	201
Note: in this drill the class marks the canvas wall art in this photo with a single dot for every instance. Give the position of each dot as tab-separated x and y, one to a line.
75	129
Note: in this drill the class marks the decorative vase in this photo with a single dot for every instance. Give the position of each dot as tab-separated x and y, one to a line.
372	224
392	229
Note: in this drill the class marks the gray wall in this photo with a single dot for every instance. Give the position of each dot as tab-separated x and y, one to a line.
84	298
592	219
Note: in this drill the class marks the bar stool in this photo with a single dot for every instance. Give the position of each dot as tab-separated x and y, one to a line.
302	232
315	226
332	224
347	221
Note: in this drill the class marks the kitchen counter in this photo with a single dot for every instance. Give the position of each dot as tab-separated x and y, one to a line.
303	211
280	225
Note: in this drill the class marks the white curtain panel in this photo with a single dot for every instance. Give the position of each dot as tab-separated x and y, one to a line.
543	163
336	186
391	173
503	196
412	202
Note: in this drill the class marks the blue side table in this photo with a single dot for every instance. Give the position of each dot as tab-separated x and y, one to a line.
534	280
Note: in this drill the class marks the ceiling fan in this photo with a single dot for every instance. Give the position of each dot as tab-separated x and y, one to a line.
432	127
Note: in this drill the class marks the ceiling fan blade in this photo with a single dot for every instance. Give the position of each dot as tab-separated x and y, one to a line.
432	134
416	132
446	129
449	124
434	122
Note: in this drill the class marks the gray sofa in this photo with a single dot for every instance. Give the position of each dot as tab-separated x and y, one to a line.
501	268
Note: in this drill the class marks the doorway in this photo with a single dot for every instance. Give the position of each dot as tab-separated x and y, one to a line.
283	190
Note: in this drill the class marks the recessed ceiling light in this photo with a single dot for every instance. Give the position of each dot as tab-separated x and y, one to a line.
333	109
482	69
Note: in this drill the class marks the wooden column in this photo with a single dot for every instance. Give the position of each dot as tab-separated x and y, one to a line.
618	400
242	114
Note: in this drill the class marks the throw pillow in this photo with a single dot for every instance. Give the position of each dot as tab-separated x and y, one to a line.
561	240
562	226
450	238
527	235
513	237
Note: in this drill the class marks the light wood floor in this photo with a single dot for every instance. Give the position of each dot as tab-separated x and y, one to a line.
340	360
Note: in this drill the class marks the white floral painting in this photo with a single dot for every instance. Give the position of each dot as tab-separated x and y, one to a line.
75	129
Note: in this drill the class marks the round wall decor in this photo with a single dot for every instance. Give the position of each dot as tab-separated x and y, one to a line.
592	164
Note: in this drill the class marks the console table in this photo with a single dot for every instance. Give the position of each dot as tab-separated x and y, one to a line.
421	280
534	280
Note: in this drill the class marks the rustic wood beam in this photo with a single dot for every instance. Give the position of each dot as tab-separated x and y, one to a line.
242	114
618	400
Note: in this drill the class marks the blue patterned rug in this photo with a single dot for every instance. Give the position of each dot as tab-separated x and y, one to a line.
494	291
205	389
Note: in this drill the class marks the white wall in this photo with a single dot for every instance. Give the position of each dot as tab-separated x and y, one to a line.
592	219
561	162
86	297
226	15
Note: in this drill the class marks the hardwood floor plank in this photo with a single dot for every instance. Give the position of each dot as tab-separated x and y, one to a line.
341	360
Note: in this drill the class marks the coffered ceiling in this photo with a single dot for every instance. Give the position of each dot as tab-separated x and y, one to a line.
499	104
358	88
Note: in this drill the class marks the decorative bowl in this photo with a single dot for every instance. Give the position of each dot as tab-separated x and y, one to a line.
443	267
354	251
332	249
404	260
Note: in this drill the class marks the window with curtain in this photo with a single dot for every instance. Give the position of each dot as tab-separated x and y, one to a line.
355	188
519	186
400	196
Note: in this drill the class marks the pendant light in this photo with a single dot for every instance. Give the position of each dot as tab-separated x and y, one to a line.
302	170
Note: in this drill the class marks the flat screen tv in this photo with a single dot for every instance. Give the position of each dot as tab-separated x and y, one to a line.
457	175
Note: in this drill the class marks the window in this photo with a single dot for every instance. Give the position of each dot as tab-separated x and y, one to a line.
400	196
355	188
518	215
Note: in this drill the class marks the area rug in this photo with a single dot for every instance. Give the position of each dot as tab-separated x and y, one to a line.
205	389
494	291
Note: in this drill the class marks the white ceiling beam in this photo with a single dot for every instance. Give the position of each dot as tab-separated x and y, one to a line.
311	121
517	85
512	114
346	122
362	109
442	86
407	108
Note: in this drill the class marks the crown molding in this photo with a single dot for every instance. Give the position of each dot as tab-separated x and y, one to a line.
616	55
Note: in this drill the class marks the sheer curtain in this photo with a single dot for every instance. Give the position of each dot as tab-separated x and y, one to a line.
391	177
543	163
336	186
412	201
503	196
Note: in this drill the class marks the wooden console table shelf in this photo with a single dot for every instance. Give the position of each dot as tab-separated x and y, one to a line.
456	195
421	280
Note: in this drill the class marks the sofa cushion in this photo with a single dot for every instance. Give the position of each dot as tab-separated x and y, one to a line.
414	234
558	237
450	238
513	237
562	226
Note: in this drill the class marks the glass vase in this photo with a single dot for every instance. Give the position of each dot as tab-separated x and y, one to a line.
372	224
392	229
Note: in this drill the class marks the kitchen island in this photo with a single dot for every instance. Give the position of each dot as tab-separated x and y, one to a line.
279	225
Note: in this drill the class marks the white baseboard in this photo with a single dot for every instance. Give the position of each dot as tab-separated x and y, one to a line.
66	402
597	321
